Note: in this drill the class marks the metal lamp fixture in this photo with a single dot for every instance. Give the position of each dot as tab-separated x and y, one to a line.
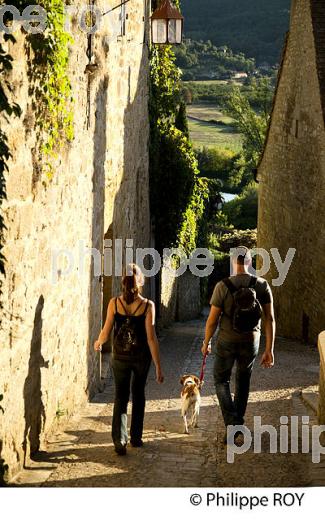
167	24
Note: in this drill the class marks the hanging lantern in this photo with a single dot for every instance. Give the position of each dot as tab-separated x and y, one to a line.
167	24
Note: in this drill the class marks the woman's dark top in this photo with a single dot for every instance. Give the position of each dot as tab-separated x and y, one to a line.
130	336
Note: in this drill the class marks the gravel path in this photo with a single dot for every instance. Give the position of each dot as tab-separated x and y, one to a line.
83	455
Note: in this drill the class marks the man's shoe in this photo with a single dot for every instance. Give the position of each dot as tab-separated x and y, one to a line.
120	449
137	444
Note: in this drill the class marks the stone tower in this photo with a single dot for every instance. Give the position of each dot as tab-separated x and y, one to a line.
292	175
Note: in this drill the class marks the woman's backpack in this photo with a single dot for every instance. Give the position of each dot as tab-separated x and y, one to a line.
130	339
247	310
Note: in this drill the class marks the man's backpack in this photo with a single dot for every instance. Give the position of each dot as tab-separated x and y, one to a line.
247	310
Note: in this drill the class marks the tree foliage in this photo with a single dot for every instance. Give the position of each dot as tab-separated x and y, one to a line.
181	121
252	125
217	92
242	211
217	163
172	185
177	194
237	238
254	27
202	60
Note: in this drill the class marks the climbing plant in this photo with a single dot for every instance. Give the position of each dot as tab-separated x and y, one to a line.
173	185
177	193
49	81
49	88
181	121
7	109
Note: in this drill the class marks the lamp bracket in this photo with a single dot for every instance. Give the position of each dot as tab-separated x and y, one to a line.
116	7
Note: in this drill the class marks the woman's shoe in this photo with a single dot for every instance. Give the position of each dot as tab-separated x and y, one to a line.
137	444
237	438
120	449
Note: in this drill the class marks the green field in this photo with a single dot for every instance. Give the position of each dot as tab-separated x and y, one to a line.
203	82
205	133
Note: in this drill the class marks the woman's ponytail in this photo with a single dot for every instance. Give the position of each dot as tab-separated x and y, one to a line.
132	283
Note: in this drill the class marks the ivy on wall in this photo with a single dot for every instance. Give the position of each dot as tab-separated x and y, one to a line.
177	193
7	109
49	88
49	81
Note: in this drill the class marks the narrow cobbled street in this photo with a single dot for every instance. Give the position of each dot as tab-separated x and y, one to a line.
83	456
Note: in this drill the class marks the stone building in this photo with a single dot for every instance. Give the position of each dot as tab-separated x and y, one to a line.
99	189
292	175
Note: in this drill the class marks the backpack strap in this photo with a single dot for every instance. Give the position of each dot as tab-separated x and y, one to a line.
232	289
228	283
136	310
126	312
146	309
253	282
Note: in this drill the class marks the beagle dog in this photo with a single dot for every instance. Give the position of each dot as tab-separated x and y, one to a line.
191	400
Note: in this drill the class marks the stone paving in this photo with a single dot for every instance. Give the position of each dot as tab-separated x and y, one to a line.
83	456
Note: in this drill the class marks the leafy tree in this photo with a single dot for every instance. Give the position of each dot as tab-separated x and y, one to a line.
200	91
242	211
260	94
217	163
252	126
203	60
236	238
258	91
220	246
172	184
254	27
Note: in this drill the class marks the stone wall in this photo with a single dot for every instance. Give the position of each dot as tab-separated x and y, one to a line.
189	297
180	298
99	189
292	184
168	297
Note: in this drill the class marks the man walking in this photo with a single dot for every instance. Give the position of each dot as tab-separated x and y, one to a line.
237	305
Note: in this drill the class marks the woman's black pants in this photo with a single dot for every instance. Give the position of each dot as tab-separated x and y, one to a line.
129	375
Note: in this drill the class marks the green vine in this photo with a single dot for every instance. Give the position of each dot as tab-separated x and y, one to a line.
49	81
173	164
50	90
7	109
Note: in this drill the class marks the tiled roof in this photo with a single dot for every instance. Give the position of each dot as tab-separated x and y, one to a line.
318	21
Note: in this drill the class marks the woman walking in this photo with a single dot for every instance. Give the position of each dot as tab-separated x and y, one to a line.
135	344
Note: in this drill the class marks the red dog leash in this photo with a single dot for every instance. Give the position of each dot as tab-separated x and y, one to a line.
204	362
